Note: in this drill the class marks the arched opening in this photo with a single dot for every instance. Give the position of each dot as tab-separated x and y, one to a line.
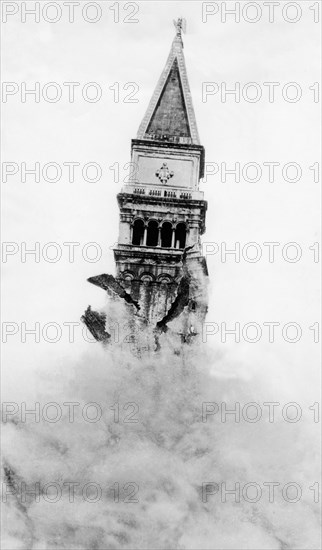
127	276
166	235
180	236
146	278
153	232
138	232
164	279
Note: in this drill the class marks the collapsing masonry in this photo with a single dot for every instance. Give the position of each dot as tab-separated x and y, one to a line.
184	315
161	275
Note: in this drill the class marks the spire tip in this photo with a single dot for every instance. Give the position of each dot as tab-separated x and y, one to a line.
180	26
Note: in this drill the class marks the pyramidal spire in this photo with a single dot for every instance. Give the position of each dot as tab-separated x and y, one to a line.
170	115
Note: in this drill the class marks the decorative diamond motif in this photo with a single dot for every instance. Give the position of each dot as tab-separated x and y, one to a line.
164	173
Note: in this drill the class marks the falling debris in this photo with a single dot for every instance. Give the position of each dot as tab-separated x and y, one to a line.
110	284
95	323
185	307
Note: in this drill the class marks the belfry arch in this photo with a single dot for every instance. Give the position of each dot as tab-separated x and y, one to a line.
152	233
166	235
180	235
138	232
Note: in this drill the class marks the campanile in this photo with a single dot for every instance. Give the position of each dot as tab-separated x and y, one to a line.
160	270
162	210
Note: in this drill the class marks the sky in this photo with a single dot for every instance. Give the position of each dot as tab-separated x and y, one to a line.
123	58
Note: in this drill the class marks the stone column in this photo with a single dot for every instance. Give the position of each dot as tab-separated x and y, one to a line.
173	237
159	236
145	235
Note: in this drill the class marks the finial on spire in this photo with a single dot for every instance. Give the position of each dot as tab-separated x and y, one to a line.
180	25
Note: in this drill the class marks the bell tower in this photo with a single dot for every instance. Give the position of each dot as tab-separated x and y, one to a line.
162	210
161	275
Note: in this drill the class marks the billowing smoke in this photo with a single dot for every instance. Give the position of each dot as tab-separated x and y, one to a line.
140	451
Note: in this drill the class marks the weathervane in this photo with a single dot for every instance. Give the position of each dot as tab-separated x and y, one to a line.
180	25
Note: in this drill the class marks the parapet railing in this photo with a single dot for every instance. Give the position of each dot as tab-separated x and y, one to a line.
153	191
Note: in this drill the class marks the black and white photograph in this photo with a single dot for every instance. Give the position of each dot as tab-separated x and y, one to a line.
161	275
